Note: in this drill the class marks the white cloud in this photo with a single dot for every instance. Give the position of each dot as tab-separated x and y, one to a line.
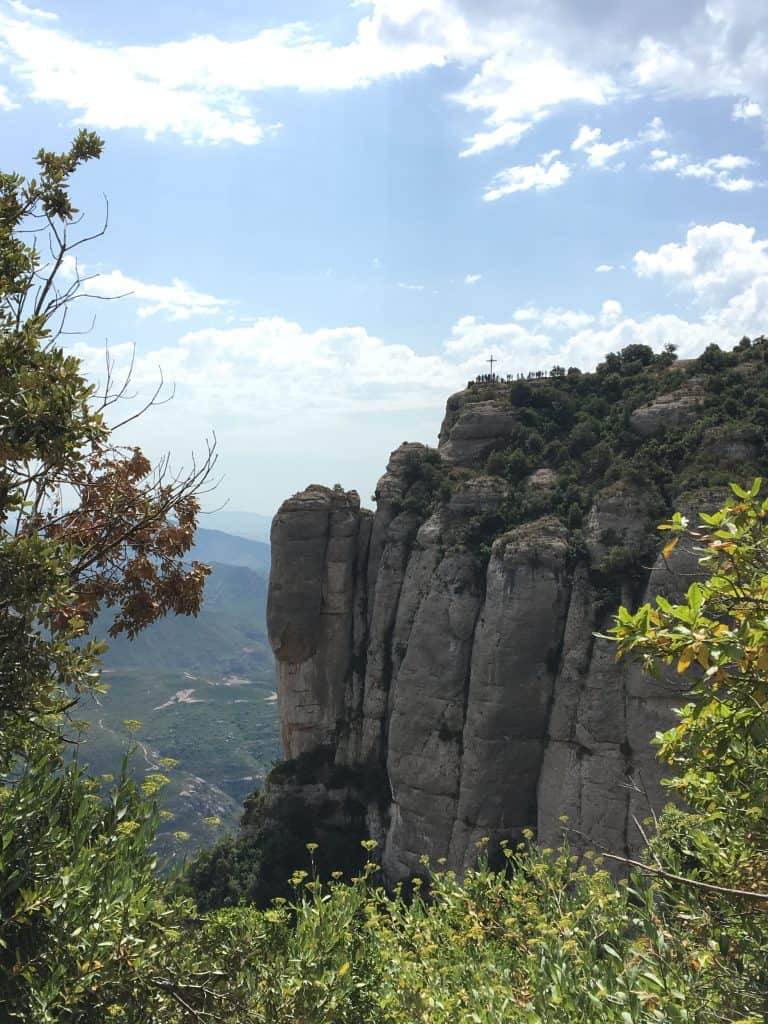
729	162
522	63
717	50
6	103
241	373
586	348
715	261
554	319
717	171
610	312
654	131
410	287
736	184
600	153
472	278
515	89
565	319
275	386
603	268
471	336
724	267
745	109
31	12
540	176
585	137
250	370
176	301
505	135
661	160
200	88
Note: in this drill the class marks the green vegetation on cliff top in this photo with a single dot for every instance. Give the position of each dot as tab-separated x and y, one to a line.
579	426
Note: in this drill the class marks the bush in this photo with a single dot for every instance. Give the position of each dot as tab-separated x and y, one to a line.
83	922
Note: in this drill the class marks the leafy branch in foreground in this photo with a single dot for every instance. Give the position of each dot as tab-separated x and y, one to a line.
86	928
84	521
717	638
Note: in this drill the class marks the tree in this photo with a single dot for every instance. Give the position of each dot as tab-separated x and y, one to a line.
85	522
88	930
718	642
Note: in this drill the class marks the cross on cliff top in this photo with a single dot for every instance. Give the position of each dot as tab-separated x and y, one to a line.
491	361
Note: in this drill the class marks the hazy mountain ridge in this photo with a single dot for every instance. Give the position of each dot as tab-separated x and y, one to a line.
236	522
231	549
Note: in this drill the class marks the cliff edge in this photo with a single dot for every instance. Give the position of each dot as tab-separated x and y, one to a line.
442	652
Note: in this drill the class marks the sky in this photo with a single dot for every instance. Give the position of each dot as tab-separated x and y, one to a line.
324	216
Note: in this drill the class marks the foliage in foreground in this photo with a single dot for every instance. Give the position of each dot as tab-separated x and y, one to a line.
91	934
84	522
719	639
93	937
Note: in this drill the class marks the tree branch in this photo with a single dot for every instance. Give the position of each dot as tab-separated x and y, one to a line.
709	886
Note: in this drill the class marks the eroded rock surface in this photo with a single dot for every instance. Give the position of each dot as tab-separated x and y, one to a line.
472	430
670	410
464	686
319	554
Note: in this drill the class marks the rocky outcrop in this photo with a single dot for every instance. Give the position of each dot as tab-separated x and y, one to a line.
319	554
473	429
465	678
515	652
670	410
599	769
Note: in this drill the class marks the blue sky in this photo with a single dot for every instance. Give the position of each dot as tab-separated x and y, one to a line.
329	214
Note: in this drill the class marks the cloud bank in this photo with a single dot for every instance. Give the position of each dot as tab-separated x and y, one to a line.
522	64
249	370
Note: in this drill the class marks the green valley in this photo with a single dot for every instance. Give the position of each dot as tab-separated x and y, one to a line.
203	690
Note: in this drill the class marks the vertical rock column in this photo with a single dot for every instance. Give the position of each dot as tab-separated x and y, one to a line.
427	706
516	649
600	768
316	546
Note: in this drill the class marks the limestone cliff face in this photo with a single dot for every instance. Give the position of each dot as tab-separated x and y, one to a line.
320	548
468	681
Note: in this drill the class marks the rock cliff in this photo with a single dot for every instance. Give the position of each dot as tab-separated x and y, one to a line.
444	646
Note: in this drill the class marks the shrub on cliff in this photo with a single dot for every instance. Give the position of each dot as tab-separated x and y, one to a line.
590	442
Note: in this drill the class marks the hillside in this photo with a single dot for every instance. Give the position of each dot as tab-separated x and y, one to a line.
203	689
231	549
249	525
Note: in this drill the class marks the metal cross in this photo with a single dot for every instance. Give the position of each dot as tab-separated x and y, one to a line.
491	361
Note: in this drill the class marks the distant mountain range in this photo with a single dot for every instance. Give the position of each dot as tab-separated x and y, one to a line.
250	525
217	546
203	689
